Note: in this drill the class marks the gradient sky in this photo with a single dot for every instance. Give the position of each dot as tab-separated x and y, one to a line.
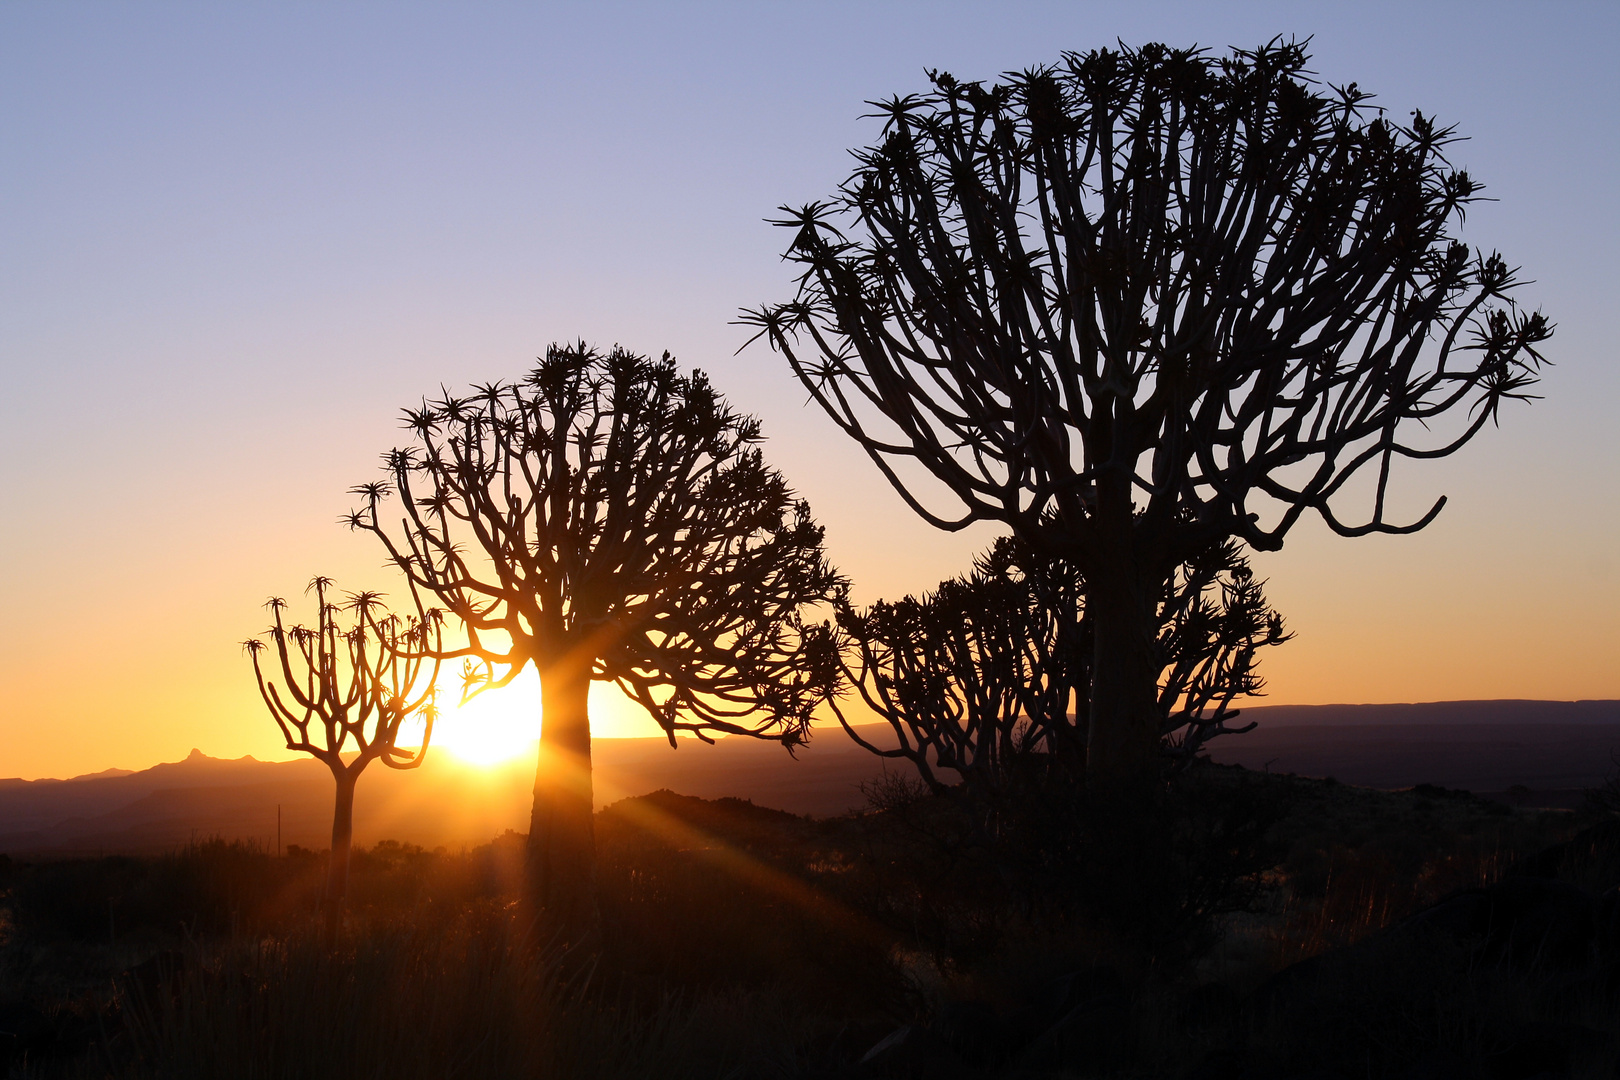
235	239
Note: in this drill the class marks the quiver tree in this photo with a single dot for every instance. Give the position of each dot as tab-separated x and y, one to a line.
348	688
985	681
1143	301
1212	617
608	518
977	677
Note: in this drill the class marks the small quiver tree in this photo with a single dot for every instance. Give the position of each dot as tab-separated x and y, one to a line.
1145	300
988	677
348	689
610	519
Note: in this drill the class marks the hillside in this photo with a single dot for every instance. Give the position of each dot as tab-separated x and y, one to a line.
1555	749
446	802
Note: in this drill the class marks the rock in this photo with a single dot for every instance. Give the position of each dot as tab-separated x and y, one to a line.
1525	923
838	1051
1454	918
1544	1048
1207	1005
1234	1064
1288	987
1094	1036
974	1033
34	1034
22	1028
1591	858
914	1053
1536	923
1437	1064
1578	990
1059	997
1079	1022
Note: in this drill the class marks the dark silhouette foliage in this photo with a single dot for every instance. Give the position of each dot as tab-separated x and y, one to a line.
979	677
1143	301
348	690
608	518
1605	798
988	676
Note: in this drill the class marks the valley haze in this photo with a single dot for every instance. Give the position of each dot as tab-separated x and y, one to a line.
1554	749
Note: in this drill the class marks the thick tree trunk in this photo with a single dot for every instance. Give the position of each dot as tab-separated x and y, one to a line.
337	866
1122	744
562	835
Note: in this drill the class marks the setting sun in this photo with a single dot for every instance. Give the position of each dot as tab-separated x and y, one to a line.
499	725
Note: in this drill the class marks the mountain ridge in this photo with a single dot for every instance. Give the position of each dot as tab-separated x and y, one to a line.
1486	746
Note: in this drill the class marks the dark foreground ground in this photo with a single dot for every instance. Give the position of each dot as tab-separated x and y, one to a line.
1291	928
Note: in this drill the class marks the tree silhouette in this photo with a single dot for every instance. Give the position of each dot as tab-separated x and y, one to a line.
608	518
988	676
346	692
1141	302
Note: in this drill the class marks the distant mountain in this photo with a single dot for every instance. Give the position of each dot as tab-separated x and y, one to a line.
1504	711
31	803
446	802
1486	758
1555	748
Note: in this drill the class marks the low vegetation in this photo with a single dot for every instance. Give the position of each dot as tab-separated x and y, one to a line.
1290	927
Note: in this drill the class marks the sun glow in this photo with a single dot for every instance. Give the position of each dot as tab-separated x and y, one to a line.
494	726
499	725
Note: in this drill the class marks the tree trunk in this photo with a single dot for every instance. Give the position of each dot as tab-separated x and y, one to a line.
562	834
1122	743
337	864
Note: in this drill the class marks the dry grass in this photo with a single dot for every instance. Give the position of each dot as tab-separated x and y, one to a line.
469	996
747	942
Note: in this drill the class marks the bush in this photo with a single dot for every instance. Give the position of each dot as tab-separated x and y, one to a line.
705	894
1142	884
463	996
212	887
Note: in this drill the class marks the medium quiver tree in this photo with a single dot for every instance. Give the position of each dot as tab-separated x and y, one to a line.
348	689
610	519
1143	301
977	679
988	677
1213	617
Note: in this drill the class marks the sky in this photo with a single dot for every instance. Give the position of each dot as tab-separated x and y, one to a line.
237	239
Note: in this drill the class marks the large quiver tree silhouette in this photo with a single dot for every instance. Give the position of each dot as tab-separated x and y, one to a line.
348	689
608	518
986	680
1143	301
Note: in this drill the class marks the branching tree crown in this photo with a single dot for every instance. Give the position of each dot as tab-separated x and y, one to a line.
988	676
611	515
351	688
1145	300
608	518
